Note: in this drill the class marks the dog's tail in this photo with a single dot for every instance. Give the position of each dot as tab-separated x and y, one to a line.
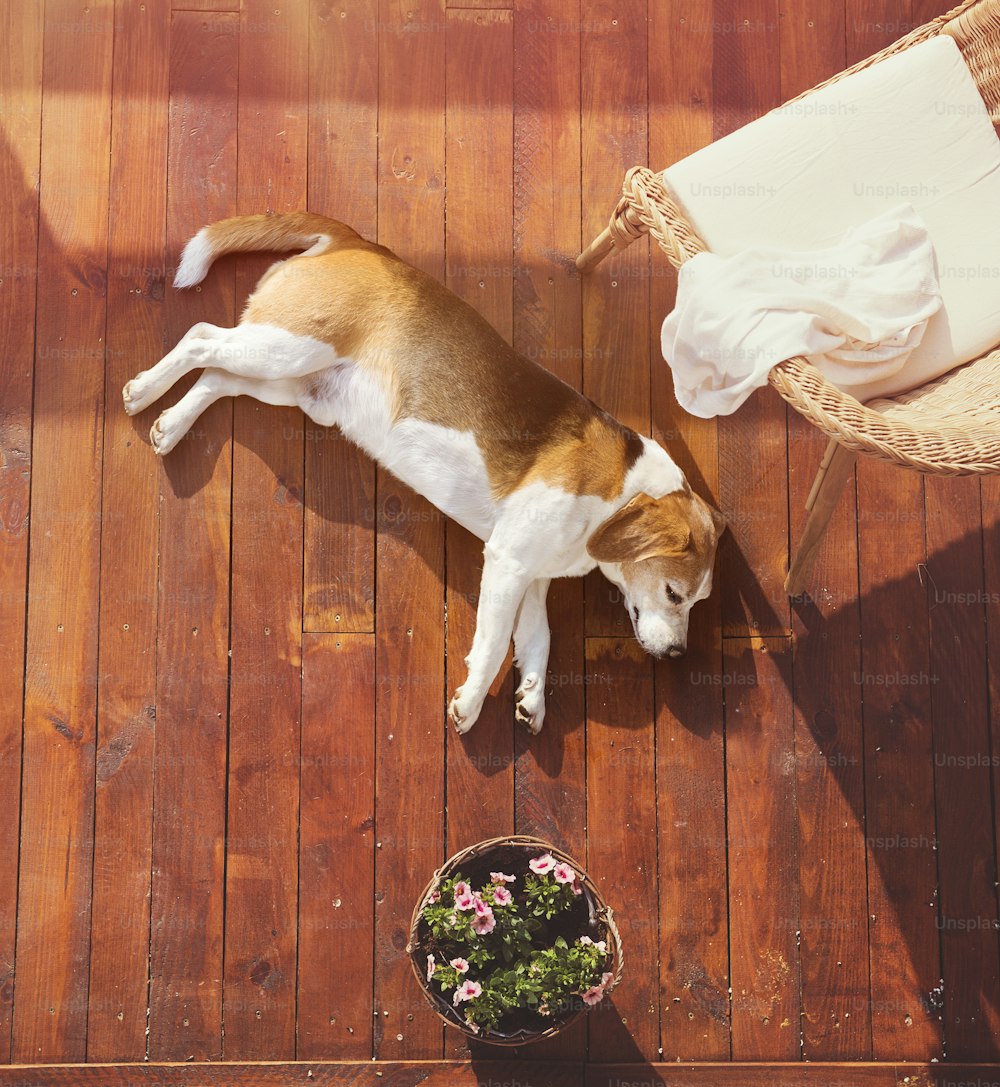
247	233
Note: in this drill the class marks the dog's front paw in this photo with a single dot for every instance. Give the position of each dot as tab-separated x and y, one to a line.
138	394
165	434
530	705
462	712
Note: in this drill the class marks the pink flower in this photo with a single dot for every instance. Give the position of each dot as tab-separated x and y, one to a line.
502	897
564	874
460	965
540	865
484	923
464	899
499	877
435	896
472	1024
607	979
430	967
576	887
468	990
594	995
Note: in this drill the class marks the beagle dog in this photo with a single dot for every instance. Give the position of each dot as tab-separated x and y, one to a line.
356	338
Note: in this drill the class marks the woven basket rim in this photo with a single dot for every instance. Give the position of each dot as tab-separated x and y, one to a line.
602	911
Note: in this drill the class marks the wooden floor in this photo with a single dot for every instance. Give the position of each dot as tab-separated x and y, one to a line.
225	771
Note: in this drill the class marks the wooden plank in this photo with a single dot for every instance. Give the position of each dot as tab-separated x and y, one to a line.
550	769
524	1073
343	163
905	996
57	812
336	847
830	785
336	949
763	850
870	27
478	156
616	295
690	757
968	921
189	817
829	746
991	553
528	1073
119	970
899	786
20	138
752	442
751	1075
209	6
409	614
621	838
266	608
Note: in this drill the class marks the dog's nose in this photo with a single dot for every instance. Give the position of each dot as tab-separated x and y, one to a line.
676	650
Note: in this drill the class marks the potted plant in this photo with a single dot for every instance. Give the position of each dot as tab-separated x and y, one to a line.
510	941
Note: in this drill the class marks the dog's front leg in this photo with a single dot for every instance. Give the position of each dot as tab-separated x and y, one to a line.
501	590
531	655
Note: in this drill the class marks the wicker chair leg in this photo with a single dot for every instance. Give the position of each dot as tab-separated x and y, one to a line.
836	469
598	249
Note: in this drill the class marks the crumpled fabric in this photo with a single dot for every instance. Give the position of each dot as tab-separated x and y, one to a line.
856	310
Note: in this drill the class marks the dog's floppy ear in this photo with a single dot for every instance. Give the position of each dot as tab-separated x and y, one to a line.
719	520
642	529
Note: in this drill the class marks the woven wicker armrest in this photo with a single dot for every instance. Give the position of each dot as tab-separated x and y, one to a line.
949	427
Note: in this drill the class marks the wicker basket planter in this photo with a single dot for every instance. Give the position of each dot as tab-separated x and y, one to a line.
588	917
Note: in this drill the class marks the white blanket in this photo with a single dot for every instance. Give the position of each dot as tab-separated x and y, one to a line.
856	310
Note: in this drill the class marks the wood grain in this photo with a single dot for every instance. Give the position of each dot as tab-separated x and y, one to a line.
899	803
901	834
621	838
526	1073
690	757
60	698
550	769
752	442
829	746
409	612
613	125
336	847
192	698
479	78
21	99
339	587
763	850
137	277
968	920
266	604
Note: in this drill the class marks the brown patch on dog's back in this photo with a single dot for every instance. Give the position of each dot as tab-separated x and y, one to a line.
441	362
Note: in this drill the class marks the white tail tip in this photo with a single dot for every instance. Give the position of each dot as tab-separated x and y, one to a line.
195	261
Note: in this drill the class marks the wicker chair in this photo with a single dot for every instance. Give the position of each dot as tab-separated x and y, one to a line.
950	426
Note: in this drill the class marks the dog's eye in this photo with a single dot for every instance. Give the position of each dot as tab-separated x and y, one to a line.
672	596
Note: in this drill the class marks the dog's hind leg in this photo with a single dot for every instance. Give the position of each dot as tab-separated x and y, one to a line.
192	352
531	655
259	352
214	384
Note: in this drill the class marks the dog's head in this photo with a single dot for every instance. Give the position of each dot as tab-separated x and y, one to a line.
660	553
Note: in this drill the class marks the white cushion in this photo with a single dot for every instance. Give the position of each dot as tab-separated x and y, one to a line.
910	129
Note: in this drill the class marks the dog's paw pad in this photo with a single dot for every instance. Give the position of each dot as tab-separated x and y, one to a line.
462	720
529	709
160	436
